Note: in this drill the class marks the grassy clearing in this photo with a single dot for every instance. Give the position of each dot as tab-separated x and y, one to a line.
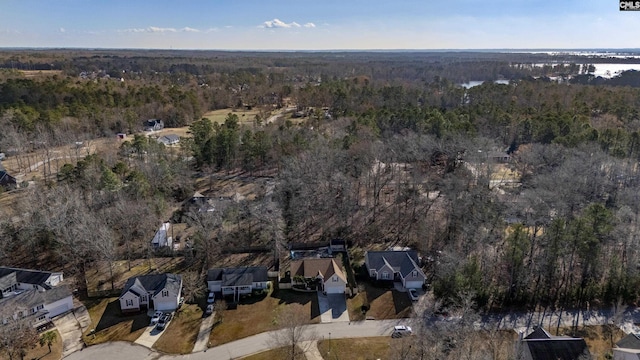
111	325
246	117
99	279
256	314
42	352
30	74
599	339
371	348
383	303
182	332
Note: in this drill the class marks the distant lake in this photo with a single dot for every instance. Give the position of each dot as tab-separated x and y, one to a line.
470	84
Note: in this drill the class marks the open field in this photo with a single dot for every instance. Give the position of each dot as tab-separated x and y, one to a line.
256	314
111	325
30	74
246	117
98	278
182	332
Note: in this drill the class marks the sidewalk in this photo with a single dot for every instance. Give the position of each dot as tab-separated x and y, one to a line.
202	342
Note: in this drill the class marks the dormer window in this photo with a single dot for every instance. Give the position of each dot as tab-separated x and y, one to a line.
165	293
415	273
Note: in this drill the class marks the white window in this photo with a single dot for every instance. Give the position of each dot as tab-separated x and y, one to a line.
129	302
335	278
165	293
143	298
42	318
32	310
415	273
40	307
385	275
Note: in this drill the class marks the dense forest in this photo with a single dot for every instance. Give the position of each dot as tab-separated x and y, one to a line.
523	193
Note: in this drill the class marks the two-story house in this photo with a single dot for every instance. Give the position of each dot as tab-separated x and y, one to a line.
397	266
33	293
159	292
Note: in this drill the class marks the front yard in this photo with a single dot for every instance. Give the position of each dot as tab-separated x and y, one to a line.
111	325
182	332
382	304
357	349
256	314
43	353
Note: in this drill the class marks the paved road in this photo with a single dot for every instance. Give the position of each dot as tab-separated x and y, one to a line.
243	347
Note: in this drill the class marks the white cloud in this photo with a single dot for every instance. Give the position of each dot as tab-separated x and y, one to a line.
151	29
309	25
279	24
188	29
62	30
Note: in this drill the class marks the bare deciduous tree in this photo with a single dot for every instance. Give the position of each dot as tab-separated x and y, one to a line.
293	321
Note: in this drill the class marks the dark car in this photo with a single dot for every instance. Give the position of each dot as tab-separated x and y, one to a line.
162	323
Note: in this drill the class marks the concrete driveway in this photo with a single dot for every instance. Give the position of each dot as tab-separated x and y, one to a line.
333	308
71	327
150	335
202	342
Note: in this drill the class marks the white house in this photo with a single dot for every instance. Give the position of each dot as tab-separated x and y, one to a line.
158	292
398	266
169	139
237	281
330	276
162	238
33	293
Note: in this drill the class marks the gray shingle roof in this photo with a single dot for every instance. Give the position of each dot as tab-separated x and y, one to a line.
32	298
403	262
631	341
154	283
556	349
27	276
238	276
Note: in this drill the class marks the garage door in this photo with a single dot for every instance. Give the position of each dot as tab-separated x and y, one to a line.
59	310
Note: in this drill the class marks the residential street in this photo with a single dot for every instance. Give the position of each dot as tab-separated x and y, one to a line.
335	330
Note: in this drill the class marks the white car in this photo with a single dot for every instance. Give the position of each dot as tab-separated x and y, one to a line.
156	316
211	298
401	330
413	294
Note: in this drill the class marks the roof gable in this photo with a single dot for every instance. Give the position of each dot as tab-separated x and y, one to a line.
557	349
631	341
153	283
27	276
325	268
403	262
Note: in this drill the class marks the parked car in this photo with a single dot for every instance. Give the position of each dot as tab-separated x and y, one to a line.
156	316
211	298
162	323
209	310
413	294
401	330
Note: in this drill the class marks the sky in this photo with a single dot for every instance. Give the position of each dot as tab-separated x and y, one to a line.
319	24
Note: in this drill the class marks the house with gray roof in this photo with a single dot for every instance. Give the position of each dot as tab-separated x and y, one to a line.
540	345
33	293
628	348
15	280
169	139
153	125
159	292
397	266
7	181
237	281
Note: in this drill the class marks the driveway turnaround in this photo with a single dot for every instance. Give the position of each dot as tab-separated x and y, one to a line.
71	327
333	308
202	342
